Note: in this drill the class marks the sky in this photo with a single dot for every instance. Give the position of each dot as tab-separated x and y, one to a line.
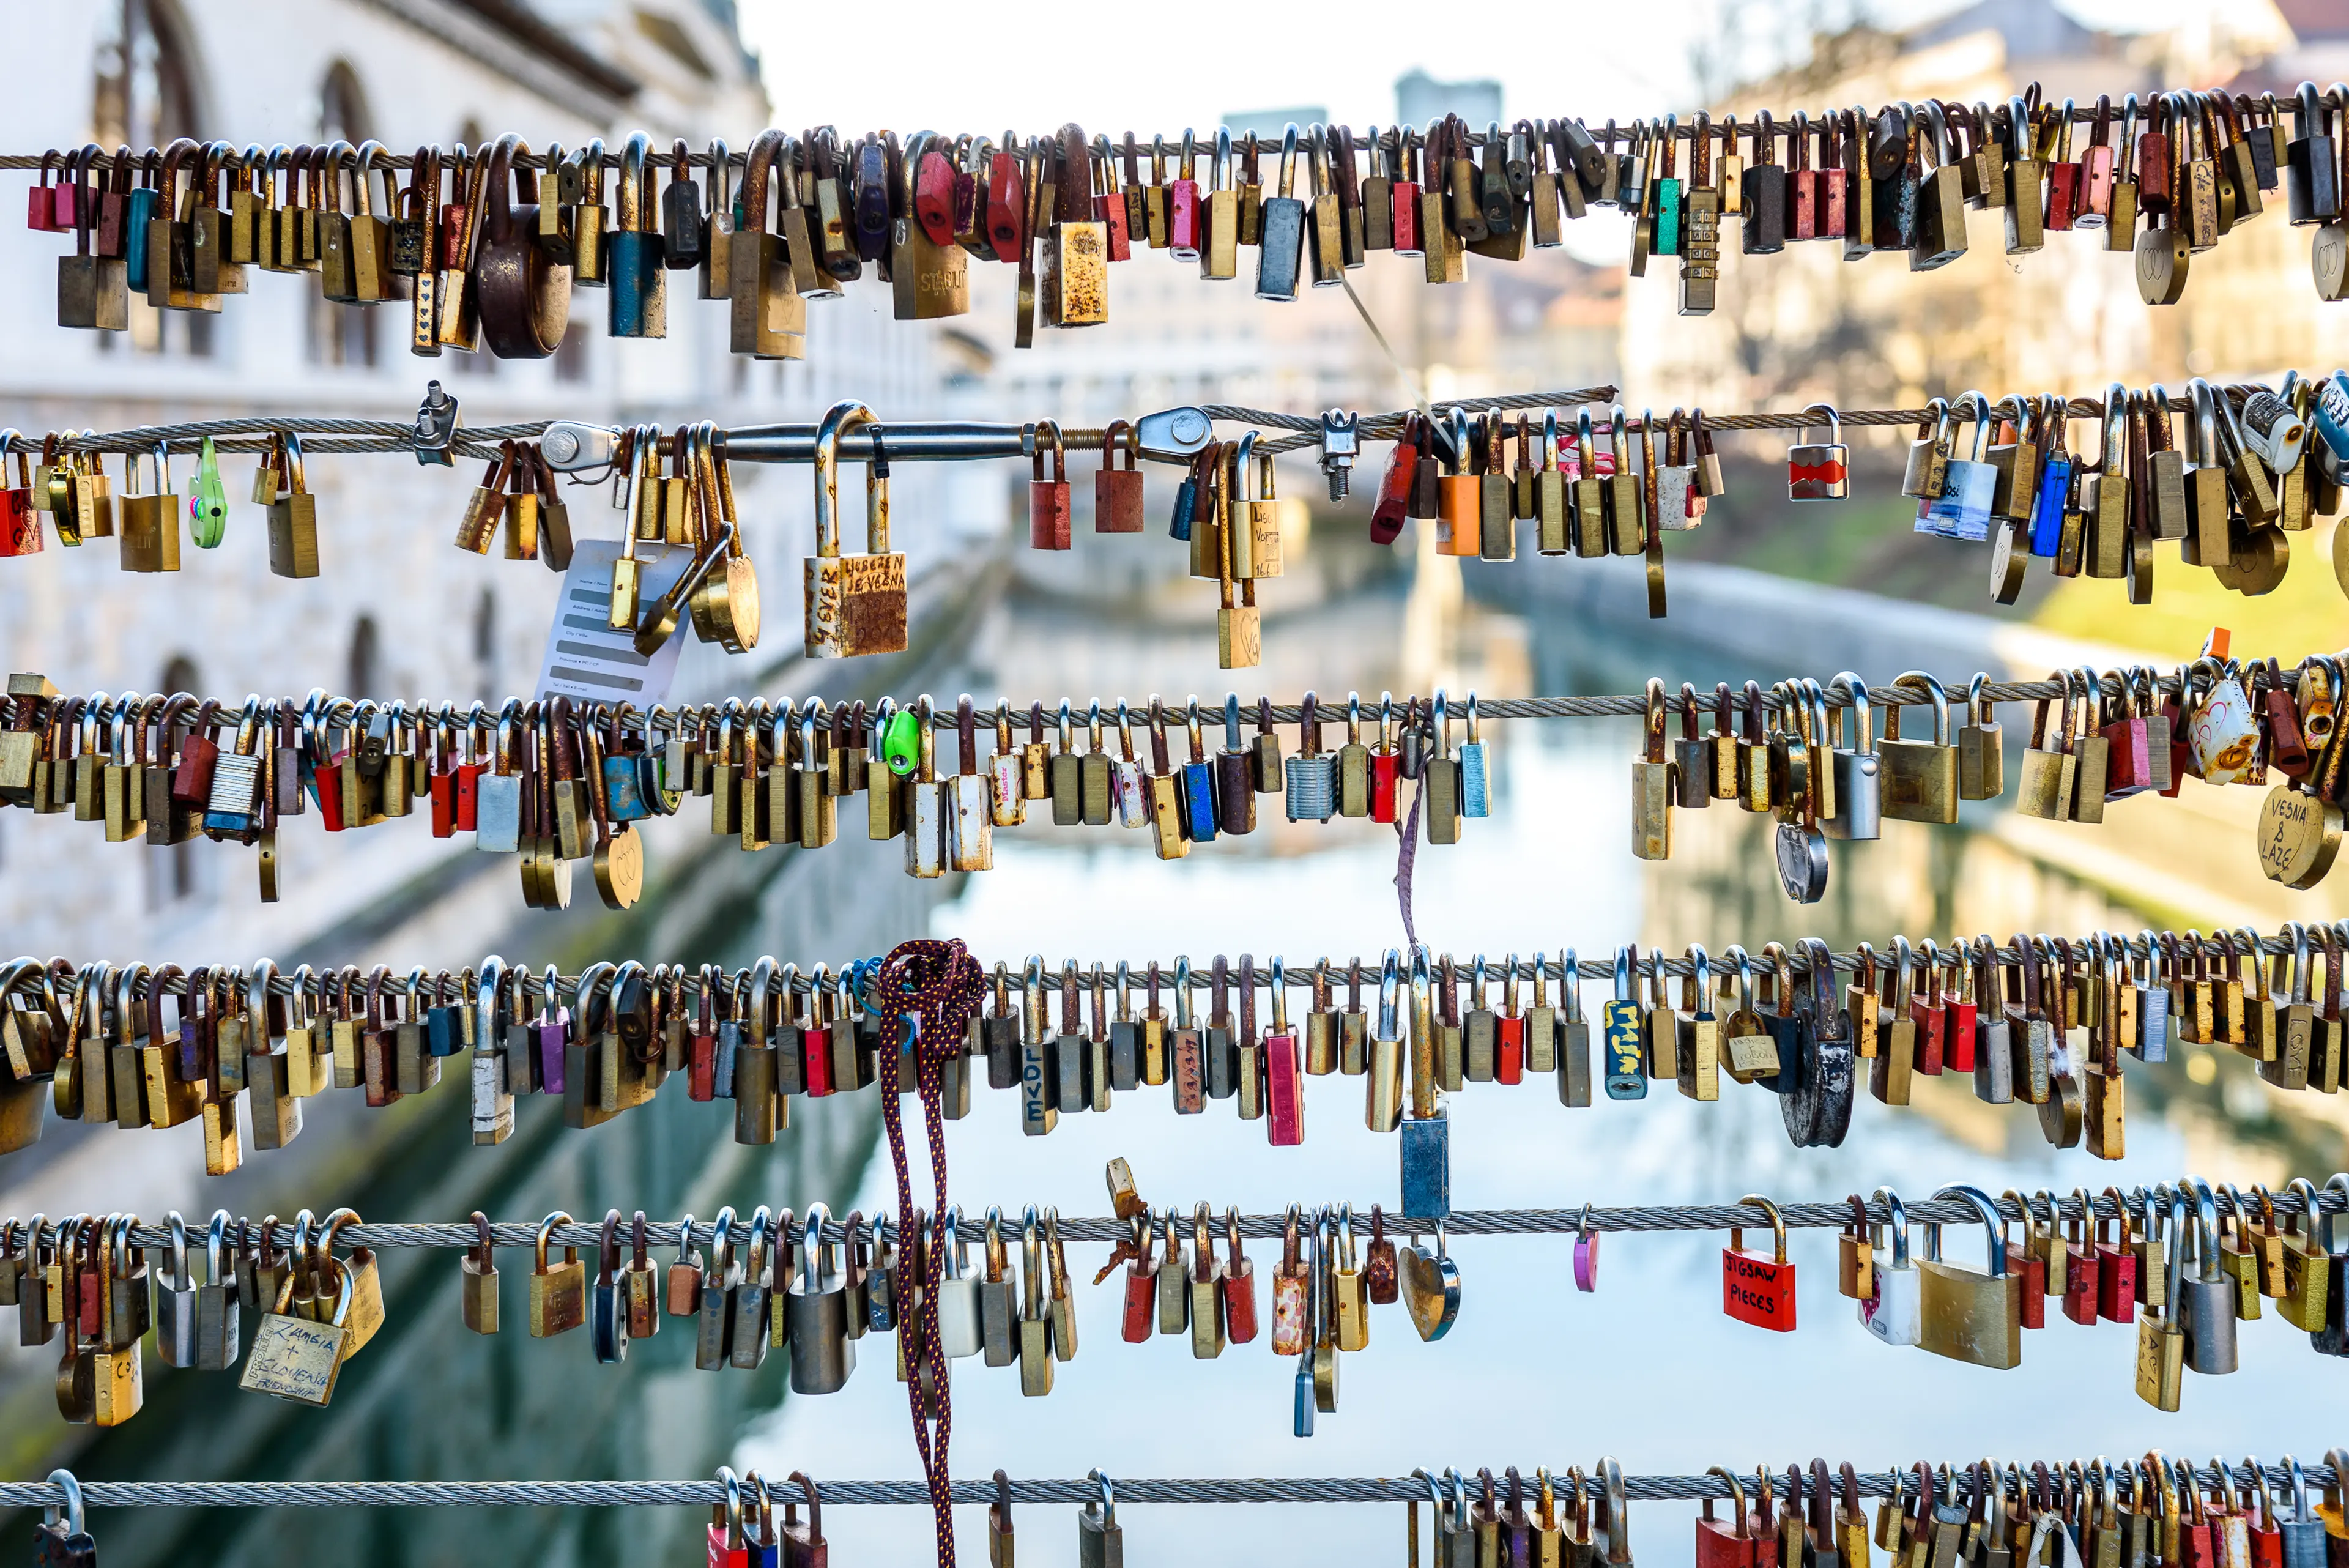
957	68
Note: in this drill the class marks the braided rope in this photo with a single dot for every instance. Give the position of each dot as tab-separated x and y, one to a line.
712	1493
931	986
1565	1221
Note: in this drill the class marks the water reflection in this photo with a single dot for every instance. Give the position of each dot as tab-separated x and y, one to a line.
428	1400
1648	1369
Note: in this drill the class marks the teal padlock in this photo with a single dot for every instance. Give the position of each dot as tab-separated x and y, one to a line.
207	501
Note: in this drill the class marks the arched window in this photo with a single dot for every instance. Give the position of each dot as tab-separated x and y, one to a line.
146	93
342	334
366	655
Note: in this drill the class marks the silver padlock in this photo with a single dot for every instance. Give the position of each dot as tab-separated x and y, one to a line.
175	1304
999	1298
1101	1543
1893	1313
2206	1305
823	1355
1820	470
219	1336
1039	1105
754	1304
1858	784
1310	778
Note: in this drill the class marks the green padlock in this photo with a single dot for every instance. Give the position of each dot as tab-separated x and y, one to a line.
207	501
901	742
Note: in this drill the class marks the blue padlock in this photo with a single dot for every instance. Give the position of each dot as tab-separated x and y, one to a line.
1426	1132
1198	796
1627	1067
633	251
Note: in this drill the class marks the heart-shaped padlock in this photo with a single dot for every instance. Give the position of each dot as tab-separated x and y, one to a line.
1431	1287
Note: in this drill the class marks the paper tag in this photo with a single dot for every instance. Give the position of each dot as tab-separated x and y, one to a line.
585	656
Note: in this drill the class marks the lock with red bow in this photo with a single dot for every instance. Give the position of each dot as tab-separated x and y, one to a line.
1820	470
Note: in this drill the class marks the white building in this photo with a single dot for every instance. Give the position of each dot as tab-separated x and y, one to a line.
396	611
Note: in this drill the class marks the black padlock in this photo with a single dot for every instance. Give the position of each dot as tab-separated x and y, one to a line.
64	1541
682	229
1281	231
1764	229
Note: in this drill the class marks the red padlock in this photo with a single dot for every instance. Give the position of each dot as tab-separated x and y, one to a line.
1926	1011
2115	1267
1832	179
1284	1074
1802	182
1183	206
933	197
1406	185
2196	1546
1386	765
1048	499
810	1036
1238	1285
20	521
1381	1276
1117	500
728	1546
2063	174
191	780
1393	504
2082	1265
2029	1266
1006	203
2287	745
1960	1015
41	201
2262	1540
466	802
1140	1319
1725	1544
2128	767
1766	1528
1509	1033
1755	1289
1108	202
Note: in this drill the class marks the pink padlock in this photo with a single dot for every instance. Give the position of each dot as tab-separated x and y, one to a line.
1284	1075
1585	1254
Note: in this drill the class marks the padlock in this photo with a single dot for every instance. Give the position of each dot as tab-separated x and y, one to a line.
767	314
1048	499
1426	1148
855	603
823	1354
633	250
1819	471
1757	1289
1965	1314
1281	229
1117	500
1891	1310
